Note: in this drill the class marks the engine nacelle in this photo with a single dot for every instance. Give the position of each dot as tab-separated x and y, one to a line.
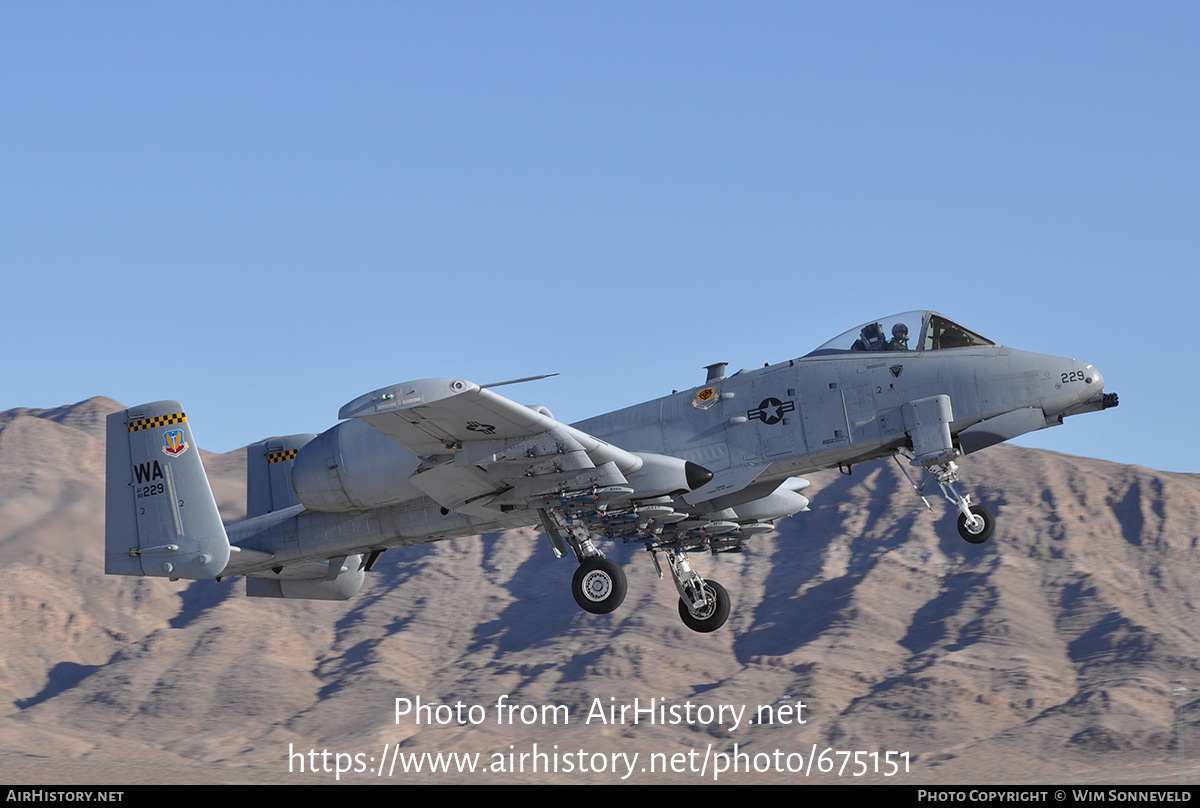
352	467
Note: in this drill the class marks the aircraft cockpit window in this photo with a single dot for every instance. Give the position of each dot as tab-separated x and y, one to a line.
943	333
887	334
874	337
909	331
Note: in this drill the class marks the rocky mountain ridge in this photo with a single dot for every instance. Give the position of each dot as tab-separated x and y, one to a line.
1049	654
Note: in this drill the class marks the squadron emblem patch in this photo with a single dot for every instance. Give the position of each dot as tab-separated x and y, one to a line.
706	398
173	443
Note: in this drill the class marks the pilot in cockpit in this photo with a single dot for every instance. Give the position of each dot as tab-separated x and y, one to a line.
899	337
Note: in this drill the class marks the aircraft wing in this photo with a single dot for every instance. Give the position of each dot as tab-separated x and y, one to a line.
476	443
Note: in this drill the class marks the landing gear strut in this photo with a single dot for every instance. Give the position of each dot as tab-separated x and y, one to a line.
599	585
703	605
975	522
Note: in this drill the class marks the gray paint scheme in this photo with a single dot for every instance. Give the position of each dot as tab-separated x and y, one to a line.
442	458
161	518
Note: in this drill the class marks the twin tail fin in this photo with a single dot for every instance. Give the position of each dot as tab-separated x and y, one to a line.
161	518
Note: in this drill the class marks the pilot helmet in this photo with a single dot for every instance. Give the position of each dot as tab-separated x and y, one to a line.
900	332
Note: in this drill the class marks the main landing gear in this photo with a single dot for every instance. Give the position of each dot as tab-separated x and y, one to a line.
599	584
703	604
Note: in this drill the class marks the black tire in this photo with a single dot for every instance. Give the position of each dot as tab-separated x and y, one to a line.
982	534
720	612
599	585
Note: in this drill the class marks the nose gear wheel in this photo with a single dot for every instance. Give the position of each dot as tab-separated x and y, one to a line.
981	531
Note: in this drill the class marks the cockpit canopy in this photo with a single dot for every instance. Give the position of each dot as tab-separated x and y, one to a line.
910	331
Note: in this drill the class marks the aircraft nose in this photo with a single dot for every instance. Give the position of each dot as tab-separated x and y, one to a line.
1075	387
1093	382
1107	400
1093	391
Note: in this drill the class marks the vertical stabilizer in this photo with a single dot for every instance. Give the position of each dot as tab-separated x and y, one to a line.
160	515
269	474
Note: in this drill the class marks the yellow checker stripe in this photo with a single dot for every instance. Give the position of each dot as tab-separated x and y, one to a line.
161	420
279	457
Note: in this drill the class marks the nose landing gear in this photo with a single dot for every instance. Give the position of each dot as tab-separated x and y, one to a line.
927	421
975	522
982	528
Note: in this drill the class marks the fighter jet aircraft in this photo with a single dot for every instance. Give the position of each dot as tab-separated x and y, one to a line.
701	469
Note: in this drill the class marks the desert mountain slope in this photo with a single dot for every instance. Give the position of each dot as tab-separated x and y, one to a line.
1048	654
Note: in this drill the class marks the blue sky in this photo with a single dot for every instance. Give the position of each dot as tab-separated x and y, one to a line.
265	210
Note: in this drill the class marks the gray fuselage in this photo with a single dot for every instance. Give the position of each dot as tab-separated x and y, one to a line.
752	429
